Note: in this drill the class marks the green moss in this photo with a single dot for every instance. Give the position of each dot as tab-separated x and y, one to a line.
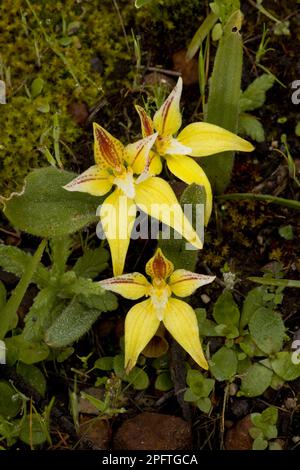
62	50
27	54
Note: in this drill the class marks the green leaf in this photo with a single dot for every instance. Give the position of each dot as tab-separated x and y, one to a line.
253	301
163	382
286	232
284	367
45	209
72	285
2	295
226	311
282	28
13	260
33	430
200	386
270	415
277	382
10	403
267	330
104	363
9	312
60	251
249	347
138	379
44	310
201	34
33	376
297	129
243	365
204	404
42	105
249	125
29	352
223	99
255	380
259	444
223	364
141	3
37	87
100	405
206	327
224	8
255	433
63	354
268	281
119	366
255	95
75	320
190	396
91	263
65	41
230	331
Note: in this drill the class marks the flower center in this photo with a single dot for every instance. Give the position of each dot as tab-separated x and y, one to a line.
125	182
162	144
159	294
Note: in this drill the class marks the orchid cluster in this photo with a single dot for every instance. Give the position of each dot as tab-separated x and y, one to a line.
129	174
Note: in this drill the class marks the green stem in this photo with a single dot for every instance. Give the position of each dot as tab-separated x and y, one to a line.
275	282
12	305
261	197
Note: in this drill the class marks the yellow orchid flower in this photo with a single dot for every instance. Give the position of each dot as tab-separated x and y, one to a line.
134	186
198	139
143	320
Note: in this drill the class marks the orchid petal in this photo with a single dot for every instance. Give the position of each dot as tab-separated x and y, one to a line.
141	324
94	181
138	154
131	286
155	197
189	171
167	119
181	321
146	121
109	152
207	139
184	283
117	216
159	267
174	146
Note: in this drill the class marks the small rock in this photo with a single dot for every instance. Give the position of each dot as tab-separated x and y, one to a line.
97	431
188	69
205	298
238	438
291	403
153	431
158	78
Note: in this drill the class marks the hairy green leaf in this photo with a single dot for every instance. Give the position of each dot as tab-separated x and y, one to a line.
14	260
255	95
91	263
255	380
267	330
44	208
76	320
251	126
